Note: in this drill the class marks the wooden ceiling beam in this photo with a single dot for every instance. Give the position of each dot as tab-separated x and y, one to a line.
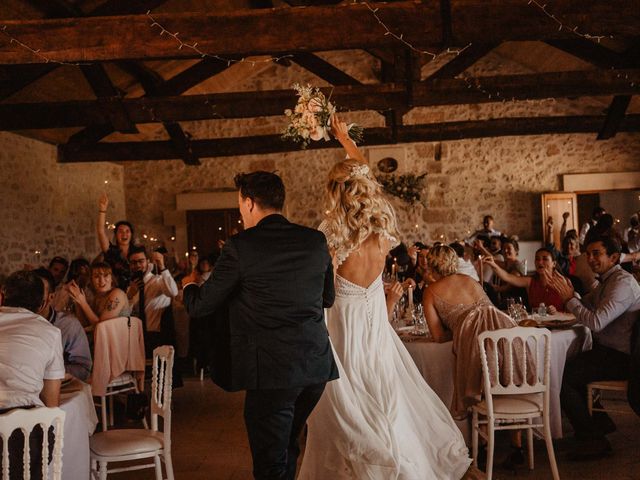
265	31
615	115
100	83
150	109
323	69
449	131
462	61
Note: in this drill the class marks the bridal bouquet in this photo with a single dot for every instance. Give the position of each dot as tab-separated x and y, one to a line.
311	118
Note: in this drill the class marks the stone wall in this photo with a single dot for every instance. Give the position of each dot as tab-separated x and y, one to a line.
49	207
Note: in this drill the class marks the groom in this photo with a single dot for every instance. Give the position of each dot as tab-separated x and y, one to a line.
276	277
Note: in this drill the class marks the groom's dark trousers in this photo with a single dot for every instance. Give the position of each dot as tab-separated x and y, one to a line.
275	279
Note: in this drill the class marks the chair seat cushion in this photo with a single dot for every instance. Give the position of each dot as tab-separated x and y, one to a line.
113	443
513	404
123	379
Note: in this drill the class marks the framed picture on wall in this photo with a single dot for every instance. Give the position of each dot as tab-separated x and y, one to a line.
556	206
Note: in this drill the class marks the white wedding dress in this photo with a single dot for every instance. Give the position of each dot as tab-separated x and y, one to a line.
379	420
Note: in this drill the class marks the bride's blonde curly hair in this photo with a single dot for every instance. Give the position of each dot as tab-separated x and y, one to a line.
356	207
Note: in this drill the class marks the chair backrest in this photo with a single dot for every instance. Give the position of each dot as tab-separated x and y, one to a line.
510	361
161	385
118	348
26	420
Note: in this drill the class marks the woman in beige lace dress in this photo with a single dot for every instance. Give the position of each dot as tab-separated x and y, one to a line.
456	306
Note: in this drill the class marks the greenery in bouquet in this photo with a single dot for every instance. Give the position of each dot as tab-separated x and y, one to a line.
311	118
408	187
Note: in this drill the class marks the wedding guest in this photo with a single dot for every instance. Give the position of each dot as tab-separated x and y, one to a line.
539	290
631	234
80	271
610	311
31	363
116	254
420	278
465	267
150	294
110	301
595	216
75	345
58	267
487	230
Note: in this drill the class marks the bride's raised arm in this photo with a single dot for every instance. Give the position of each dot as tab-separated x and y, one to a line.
340	130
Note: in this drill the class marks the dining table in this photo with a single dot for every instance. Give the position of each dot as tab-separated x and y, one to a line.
80	423
436	363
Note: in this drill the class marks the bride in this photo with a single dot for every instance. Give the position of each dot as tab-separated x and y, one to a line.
379	420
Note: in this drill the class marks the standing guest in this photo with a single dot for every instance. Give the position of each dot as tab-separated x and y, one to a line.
610	311
595	216
75	345
31	363
150	294
539	290
487	230
631	234
116	254
109	300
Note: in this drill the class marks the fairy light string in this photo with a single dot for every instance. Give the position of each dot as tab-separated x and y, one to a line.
34	51
194	47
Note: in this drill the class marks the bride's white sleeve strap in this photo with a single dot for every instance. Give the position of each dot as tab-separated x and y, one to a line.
393	241
340	254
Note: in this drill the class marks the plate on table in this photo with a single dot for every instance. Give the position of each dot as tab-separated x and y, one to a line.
557	324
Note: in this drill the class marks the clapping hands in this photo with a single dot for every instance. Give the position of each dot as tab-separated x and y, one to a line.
560	284
76	292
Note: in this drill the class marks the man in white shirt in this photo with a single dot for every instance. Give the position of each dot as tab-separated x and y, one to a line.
610	310
31	362
155	290
487	230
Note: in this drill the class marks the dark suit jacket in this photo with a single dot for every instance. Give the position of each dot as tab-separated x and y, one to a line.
276	279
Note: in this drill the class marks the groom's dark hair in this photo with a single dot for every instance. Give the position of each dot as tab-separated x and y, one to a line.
264	188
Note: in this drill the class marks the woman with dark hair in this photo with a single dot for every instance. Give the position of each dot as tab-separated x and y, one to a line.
538	288
80	272
116	254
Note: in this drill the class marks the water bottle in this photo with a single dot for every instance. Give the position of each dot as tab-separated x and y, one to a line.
542	310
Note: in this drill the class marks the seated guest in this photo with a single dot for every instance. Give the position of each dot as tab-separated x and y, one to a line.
418	280
110	301
455	306
80	271
58	267
75	345
31	363
610	311
465	267
597	213
513	265
150	295
539	290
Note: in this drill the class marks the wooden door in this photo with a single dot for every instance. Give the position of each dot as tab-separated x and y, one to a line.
206	227
554	205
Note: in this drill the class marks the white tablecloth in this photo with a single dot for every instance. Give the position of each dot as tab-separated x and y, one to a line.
436	363
80	422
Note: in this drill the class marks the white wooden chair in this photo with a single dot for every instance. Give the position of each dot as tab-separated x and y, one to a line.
135	444
26	420
508	405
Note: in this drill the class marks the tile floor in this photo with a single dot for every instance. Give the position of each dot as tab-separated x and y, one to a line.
209	442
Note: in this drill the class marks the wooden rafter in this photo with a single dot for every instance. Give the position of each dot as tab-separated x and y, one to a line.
323	69
615	116
461	62
266	31
161	150
154	109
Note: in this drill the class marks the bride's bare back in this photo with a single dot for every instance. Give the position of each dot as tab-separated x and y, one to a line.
364	264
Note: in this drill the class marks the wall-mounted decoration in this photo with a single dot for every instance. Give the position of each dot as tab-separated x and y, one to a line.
408	187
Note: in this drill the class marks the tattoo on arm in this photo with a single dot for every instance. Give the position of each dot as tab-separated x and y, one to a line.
113	304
